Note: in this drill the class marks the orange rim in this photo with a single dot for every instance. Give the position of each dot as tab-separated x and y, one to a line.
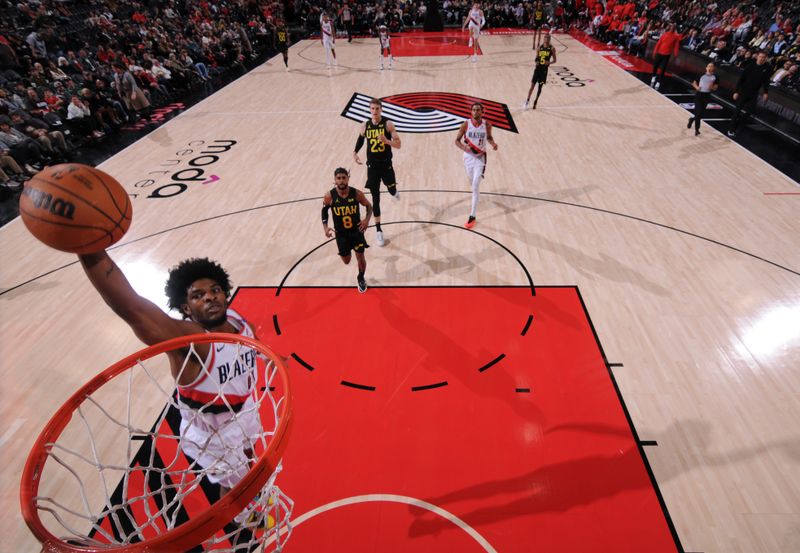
194	531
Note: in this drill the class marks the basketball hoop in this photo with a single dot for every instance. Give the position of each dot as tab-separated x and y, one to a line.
109	480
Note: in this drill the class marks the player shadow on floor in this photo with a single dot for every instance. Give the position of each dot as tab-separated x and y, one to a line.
447	357
666	141
714	143
580	482
622	125
588	265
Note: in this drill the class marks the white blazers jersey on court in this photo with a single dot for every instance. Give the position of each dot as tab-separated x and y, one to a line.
229	423
385	41
475	21
327	34
475	137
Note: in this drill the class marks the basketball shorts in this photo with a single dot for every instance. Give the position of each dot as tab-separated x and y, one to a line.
327	42
217	441
475	166
474	30
540	74
380	171
350	241
283	48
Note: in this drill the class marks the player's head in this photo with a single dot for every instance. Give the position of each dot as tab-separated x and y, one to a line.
382	28
477	111
325	16
375	107
341	177
199	288
546	38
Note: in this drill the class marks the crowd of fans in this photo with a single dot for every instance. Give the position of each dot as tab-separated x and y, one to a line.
725	31
728	34
74	72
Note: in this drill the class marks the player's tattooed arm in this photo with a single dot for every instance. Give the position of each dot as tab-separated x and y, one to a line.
362	199
146	319
326	205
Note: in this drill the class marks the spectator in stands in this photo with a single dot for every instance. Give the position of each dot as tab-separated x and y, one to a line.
693	41
782	72
755	76
21	147
80	117
667	45
52	141
130	93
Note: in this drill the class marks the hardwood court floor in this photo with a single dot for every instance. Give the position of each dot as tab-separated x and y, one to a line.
690	272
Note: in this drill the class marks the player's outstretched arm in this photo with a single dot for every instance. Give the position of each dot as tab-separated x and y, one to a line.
150	324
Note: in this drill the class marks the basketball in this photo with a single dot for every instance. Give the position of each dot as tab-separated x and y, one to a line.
75	208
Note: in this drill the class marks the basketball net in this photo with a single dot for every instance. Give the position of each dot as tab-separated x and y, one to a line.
103	477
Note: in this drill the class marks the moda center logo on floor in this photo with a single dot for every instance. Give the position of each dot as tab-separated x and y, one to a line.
430	112
187	168
565	75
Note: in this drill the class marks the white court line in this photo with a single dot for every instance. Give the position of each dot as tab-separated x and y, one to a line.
11	430
375	497
648	106
281	112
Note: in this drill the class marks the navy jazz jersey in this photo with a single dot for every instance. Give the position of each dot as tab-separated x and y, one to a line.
377	150
346	214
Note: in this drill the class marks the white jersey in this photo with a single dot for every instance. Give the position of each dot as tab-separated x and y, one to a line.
475	19
229	371
327	33
219	435
475	137
385	41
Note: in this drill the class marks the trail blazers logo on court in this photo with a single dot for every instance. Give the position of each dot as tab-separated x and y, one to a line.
428	112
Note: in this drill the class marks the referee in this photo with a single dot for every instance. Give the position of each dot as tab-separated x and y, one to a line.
755	75
704	86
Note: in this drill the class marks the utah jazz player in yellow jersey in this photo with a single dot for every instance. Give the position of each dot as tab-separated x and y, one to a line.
348	226
282	41
538	21
381	136
545	55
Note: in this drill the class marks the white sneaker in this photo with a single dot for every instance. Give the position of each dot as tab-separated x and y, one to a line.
653	81
379	238
396	196
381	67
525	104
658	85
474	58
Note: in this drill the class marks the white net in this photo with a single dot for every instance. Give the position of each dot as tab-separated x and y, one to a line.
113	477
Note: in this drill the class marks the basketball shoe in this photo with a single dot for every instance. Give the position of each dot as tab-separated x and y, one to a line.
470	222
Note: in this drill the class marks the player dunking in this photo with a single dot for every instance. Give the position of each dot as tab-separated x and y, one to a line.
475	132
282	41
381	136
386	44
200	290
348	227
545	55
538	20
474	21
328	36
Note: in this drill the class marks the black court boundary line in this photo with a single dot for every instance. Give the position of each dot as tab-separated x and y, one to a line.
417	222
527	326
357	386
274	323
302	362
492	363
428	386
639	443
522	390
499	194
